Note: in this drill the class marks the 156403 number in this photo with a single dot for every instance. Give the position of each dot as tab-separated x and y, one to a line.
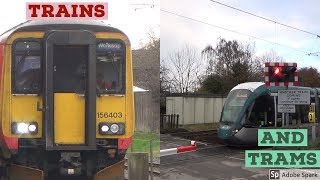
109	114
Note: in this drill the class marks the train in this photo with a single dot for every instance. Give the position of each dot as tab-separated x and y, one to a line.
252	105
66	99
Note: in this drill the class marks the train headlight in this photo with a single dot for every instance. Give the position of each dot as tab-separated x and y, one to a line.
32	128
111	128
104	128
24	128
114	128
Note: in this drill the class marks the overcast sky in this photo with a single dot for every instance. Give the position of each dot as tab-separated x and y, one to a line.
136	18
177	31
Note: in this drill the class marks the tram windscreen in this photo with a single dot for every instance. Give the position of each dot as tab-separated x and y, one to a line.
234	104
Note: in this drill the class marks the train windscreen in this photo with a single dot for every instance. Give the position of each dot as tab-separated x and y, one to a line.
234	104
110	67
26	67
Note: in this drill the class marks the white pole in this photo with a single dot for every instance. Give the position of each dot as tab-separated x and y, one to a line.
167	152
181	149
275	110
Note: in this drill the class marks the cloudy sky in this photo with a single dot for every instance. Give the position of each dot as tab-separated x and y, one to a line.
134	17
294	45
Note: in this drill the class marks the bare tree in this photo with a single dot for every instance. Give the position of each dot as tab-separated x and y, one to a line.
269	56
146	65
165	83
184	69
228	64
226	56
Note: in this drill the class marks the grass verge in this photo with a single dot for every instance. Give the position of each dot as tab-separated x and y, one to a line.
142	141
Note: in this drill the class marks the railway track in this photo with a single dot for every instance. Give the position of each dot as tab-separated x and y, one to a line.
193	133
202	136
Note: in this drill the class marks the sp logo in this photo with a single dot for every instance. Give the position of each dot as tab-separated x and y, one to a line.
274	174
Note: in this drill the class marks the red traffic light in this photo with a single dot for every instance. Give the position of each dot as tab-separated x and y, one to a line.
281	74
277	71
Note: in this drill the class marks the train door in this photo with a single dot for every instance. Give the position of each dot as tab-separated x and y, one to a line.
70	94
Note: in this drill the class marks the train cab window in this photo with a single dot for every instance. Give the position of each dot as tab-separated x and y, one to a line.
70	68
26	67
110	67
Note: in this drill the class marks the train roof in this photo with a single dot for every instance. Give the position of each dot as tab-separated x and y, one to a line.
45	25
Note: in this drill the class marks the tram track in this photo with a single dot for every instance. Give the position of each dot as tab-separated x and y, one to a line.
209	136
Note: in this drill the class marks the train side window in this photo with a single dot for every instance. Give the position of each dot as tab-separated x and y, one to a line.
110	67
26	67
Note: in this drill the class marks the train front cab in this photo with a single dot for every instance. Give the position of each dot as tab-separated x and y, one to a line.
66	101
245	112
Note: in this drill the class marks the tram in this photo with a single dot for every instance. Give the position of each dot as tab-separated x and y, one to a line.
251	106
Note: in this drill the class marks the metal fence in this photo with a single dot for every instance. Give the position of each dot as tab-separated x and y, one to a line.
169	121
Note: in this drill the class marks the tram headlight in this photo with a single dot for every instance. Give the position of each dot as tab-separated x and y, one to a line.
24	128
111	128
235	131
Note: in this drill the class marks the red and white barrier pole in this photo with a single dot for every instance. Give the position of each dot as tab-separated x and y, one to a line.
181	149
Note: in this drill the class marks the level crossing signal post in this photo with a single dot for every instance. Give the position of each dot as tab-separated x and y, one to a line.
281	74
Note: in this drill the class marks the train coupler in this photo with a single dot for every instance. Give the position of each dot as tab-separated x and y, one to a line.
70	171
70	164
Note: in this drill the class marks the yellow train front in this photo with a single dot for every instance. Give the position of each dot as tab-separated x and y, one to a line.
66	98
